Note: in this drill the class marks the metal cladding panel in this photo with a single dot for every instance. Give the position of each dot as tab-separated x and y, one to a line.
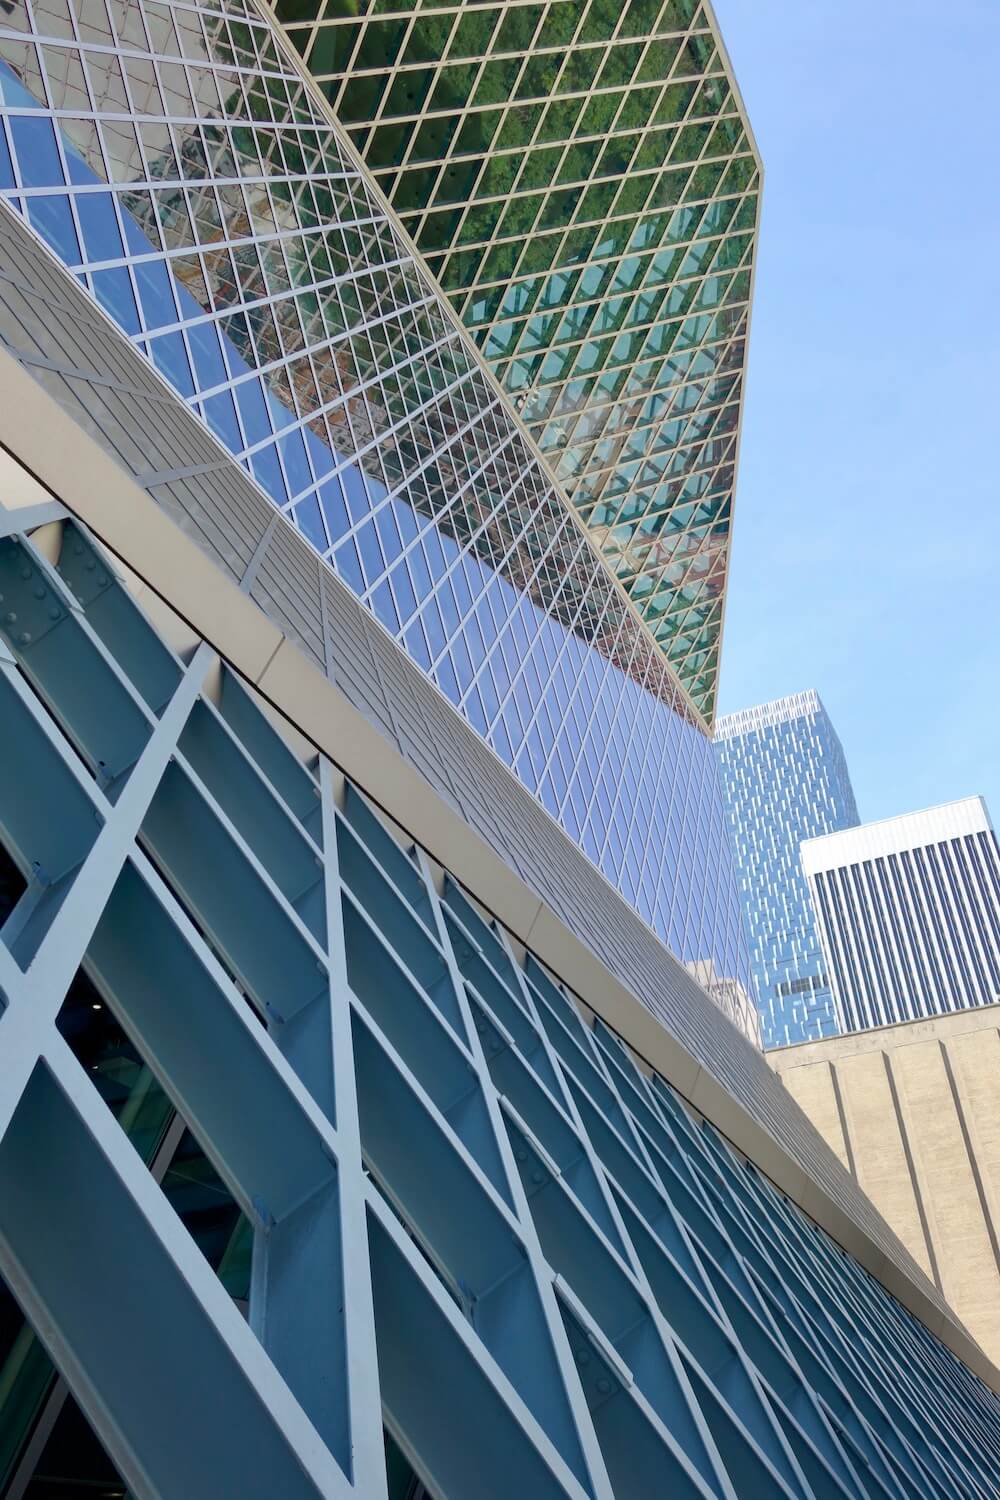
916	830
393	694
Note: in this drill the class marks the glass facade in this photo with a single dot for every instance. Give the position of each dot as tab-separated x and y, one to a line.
582	181
313	1184
784	779
908	912
174	158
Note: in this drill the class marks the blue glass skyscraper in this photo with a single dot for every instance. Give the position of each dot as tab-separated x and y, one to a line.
785	779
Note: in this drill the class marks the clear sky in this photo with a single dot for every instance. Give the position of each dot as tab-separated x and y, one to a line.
866	560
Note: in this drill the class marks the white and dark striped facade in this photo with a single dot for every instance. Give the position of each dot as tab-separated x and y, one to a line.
908	911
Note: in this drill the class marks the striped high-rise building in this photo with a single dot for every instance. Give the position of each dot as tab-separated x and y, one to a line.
361	1136
908	911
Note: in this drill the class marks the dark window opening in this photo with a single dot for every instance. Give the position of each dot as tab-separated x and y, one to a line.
12	885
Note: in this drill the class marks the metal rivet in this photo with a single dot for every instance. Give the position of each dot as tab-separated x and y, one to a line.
25	637
538	1175
39	591
604	1385
582	1357
25	571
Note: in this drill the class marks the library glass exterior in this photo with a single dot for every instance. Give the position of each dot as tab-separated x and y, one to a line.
784	779
357	1136
582	181
176	159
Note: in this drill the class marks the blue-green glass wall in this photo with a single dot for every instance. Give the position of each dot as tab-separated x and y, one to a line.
582	181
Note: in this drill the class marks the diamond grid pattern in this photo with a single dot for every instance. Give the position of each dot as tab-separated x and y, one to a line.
50	325
203	201
582	182
475	1180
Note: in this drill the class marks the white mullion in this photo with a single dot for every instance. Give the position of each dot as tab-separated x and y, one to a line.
936	941
61	948
595	262
610	336
953	935
541	1271
604	753
438	520
979	916
361	1360
608	762
513	485
679	901
341	403
507	695
215	1307
960	928
581	550
574	774
658	745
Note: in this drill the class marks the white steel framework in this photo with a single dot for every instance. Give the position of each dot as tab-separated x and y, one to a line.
481	1233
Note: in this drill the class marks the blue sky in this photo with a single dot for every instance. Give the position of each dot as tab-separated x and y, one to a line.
866	559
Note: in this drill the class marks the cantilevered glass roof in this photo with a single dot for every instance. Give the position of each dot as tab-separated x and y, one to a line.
581	179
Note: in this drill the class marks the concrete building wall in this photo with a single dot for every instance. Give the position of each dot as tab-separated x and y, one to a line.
914	1112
